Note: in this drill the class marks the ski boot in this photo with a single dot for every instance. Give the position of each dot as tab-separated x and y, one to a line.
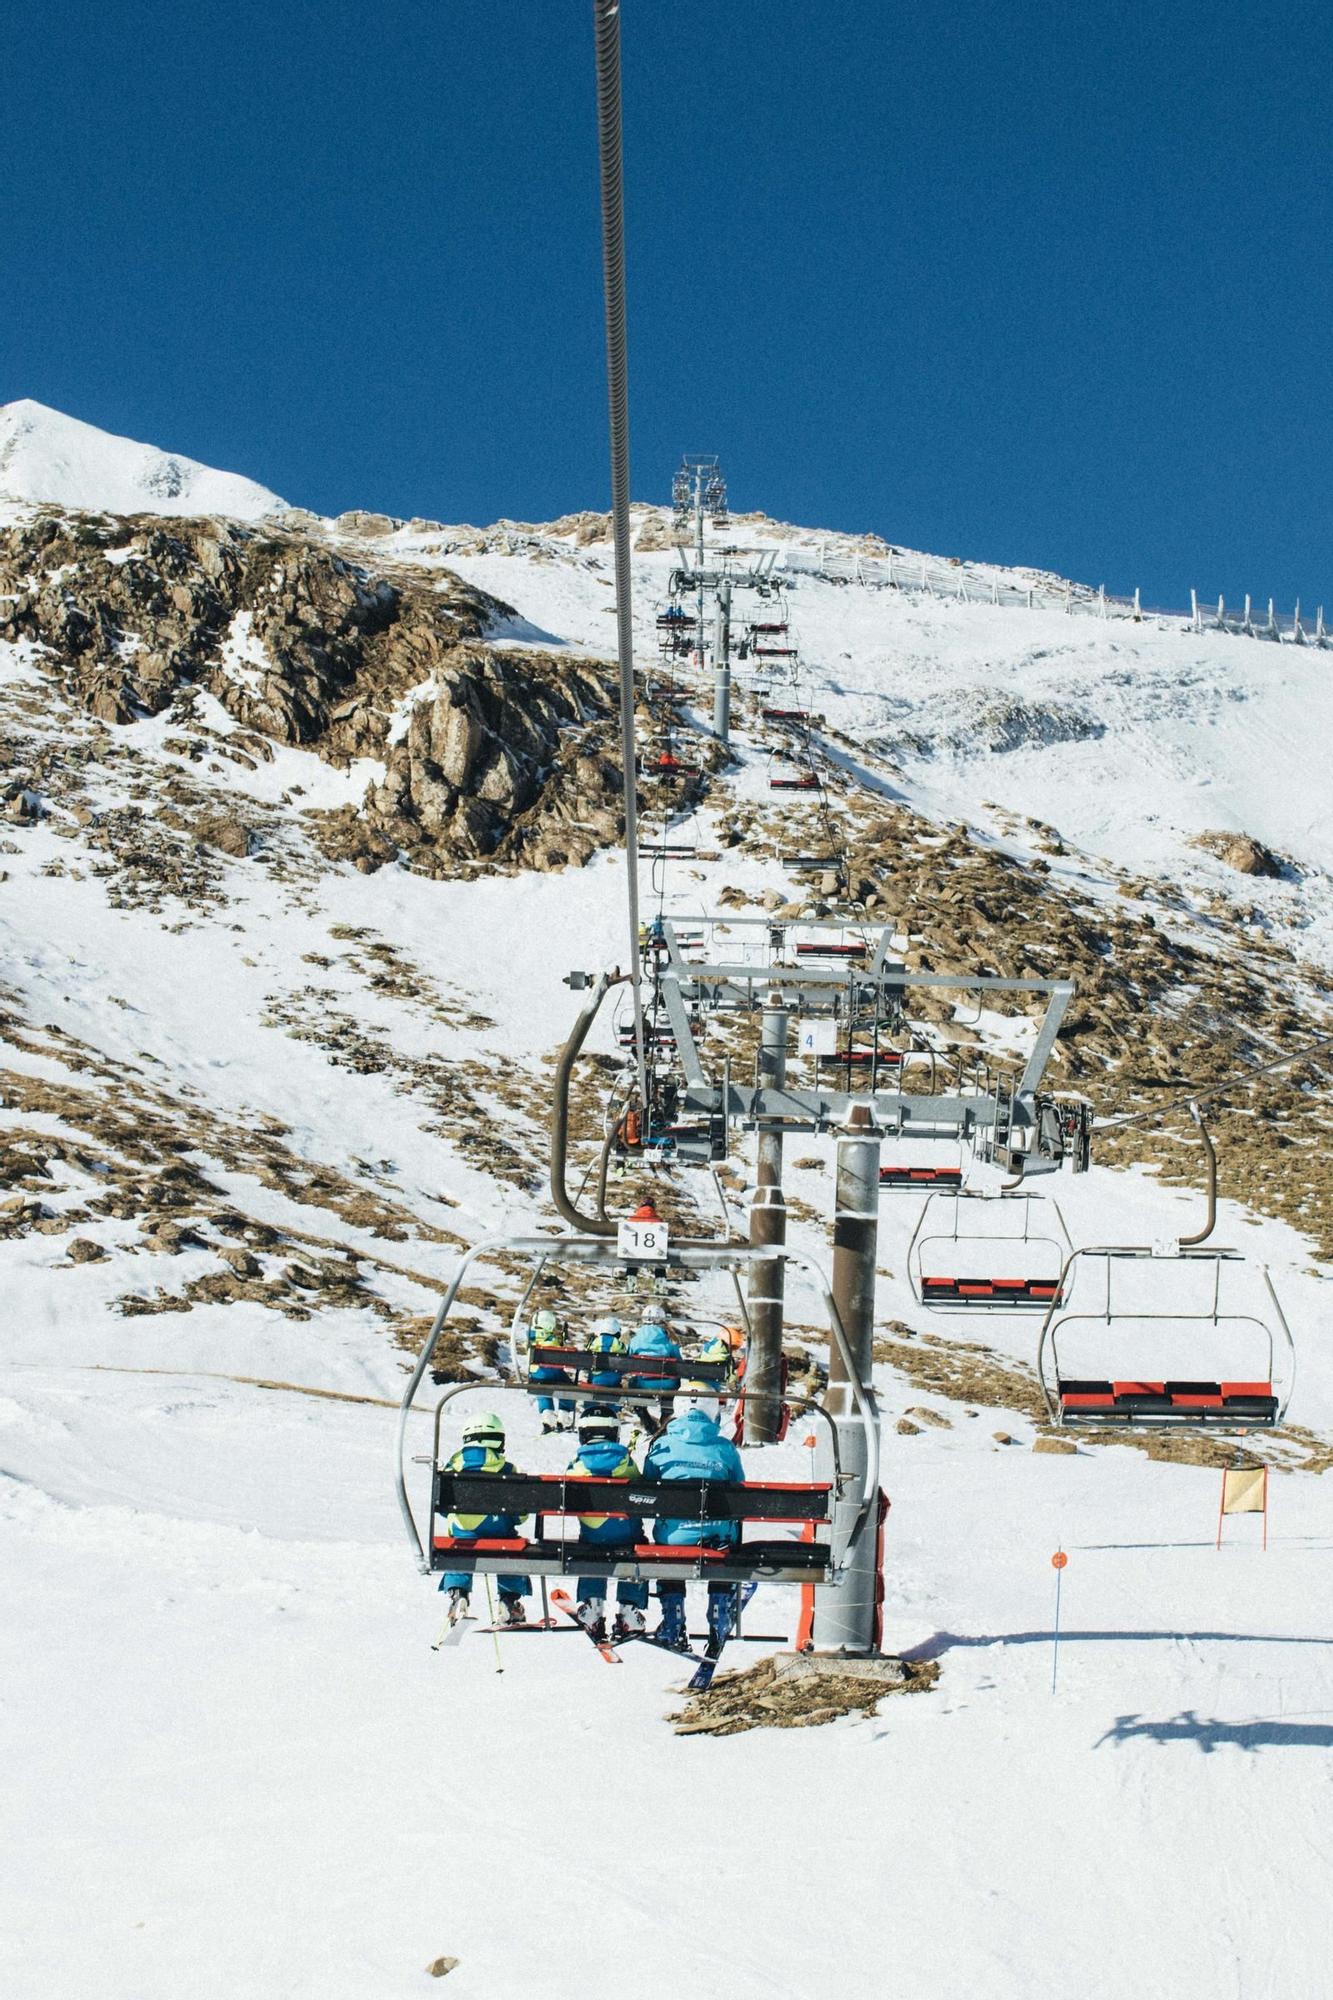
550	1422
512	1612
629	1622
590	1616
459	1606
671	1631
721	1619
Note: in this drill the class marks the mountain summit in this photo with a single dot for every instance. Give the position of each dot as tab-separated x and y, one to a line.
45	455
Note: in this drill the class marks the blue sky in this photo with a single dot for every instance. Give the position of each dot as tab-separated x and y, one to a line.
1028	282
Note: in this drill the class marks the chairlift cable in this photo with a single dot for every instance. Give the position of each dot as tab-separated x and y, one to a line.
1236	1082
606	24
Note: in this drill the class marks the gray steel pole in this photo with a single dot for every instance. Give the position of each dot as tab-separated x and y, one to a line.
768	1227
845	1611
722	667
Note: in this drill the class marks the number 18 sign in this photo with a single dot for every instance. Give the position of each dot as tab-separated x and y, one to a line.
645	1242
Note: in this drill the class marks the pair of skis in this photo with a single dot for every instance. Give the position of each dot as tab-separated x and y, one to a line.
457	1622
705	1663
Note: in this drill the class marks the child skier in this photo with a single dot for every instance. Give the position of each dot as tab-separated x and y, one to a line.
653	1338
484	1452
545	1332
602	1456
691	1447
607	1338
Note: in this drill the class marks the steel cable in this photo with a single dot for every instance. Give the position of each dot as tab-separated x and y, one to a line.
606	23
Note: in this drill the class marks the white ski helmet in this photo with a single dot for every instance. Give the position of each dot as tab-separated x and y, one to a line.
546	1322
610	1326
486	1429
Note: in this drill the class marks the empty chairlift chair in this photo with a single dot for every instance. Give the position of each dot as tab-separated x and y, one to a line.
783	776
998	1252
1182	1339
771	641
904	1175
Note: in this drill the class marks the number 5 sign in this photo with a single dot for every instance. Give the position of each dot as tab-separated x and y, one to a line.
645	1242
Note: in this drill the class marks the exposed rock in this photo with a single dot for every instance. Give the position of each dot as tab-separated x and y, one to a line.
358	522
241	1262
485	753
220	830
1055	1445
84	1251
1241	852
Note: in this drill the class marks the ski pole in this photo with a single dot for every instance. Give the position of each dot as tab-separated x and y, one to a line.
495	1636
445	1630
1058	1561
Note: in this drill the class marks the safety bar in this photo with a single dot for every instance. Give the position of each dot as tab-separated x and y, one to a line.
523	1493
666	1368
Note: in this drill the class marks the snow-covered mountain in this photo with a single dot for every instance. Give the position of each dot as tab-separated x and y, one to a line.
301	832
45	455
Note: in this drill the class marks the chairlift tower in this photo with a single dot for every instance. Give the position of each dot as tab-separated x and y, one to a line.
774	969
699	501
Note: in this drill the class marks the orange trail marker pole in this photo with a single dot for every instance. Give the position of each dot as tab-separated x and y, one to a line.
1058	1561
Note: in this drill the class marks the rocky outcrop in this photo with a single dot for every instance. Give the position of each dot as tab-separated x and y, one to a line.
484	753
1241	852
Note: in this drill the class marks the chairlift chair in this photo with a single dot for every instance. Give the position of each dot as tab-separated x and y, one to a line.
796	781
829	1514
1203	1325
658	845
850	952
956	1262
897	1175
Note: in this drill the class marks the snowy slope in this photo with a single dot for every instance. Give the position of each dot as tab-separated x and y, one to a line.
1131	739
45	455
233	1764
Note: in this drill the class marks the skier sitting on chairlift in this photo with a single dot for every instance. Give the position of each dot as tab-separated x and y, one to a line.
607	1338
691	1447
652	1338
601	1455
727	1344
545	1332
484	1452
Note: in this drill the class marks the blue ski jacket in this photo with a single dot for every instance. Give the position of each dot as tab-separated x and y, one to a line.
607	1458
650	1340
692	1447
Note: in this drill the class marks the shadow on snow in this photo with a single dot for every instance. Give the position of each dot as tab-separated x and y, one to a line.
1209	1734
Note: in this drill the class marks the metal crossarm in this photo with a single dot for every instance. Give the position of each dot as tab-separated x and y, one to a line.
831	975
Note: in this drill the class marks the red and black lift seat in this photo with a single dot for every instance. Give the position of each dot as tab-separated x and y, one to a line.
546	1496
668	1369
914	1177
990	1291
1187	1404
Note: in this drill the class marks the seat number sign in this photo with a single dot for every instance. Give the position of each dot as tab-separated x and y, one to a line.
645	1241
